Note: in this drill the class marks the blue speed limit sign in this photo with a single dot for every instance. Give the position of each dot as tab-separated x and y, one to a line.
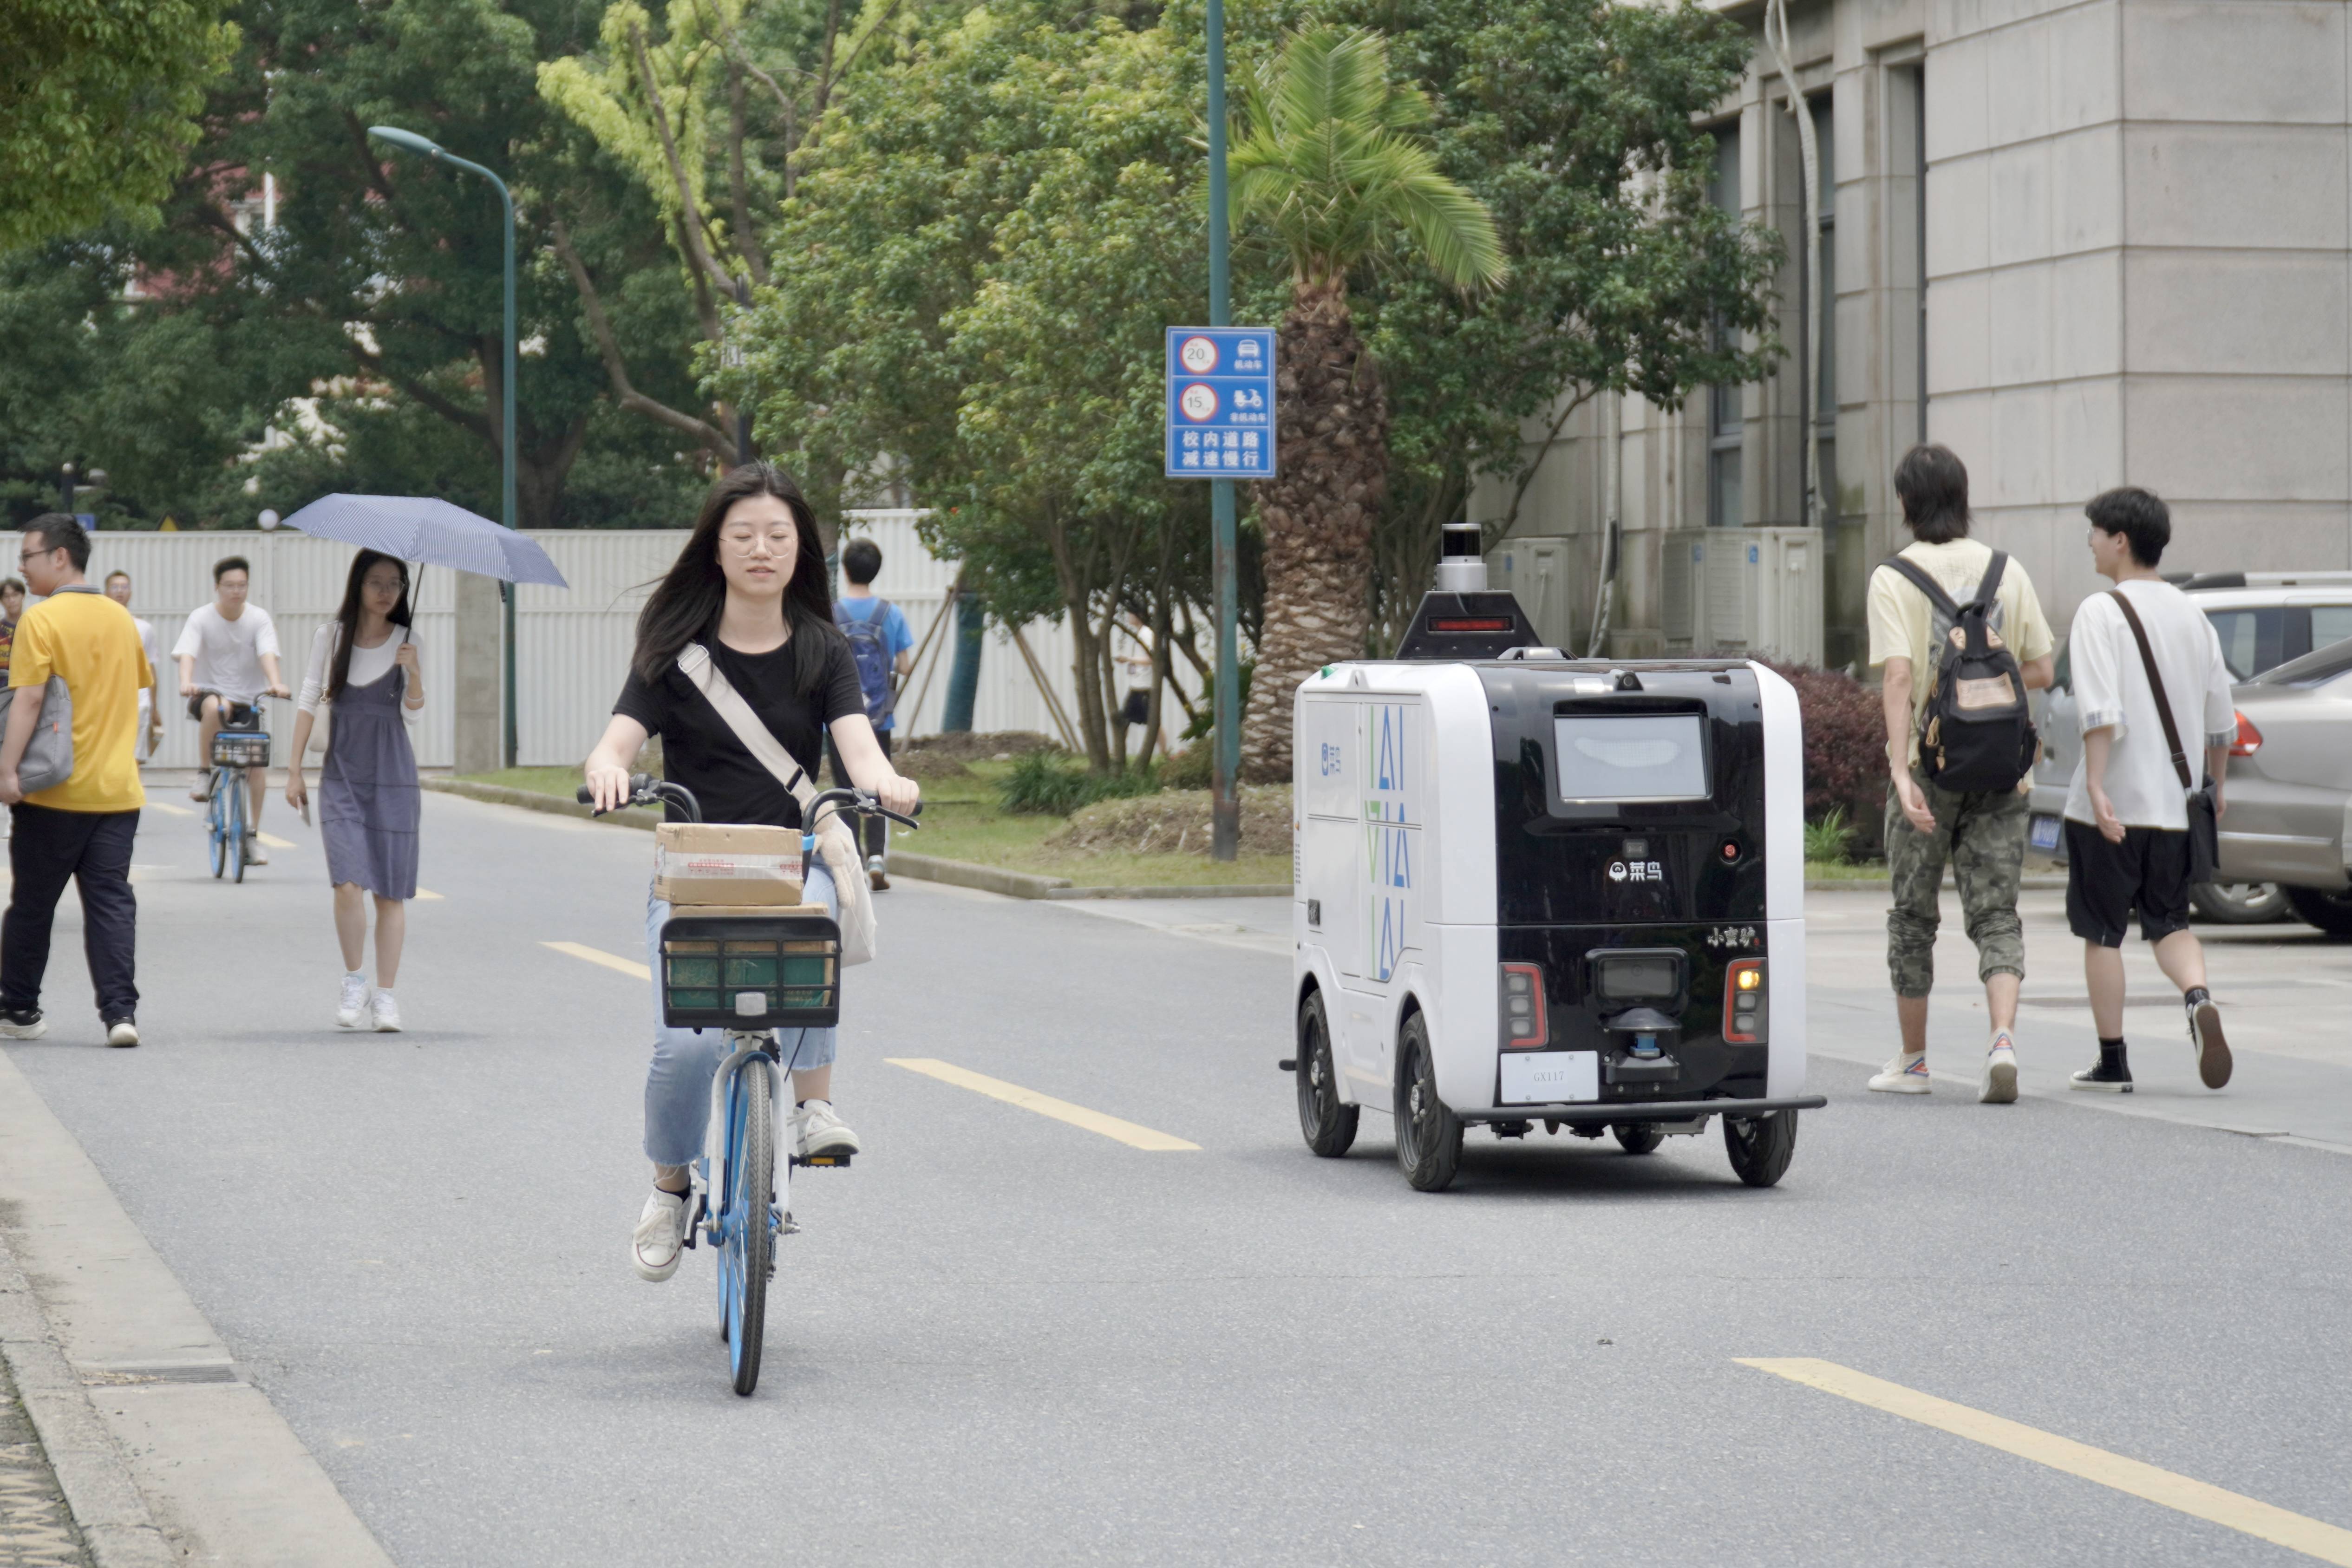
1219	402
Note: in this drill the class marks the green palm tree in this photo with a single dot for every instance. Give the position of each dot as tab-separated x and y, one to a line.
1328	160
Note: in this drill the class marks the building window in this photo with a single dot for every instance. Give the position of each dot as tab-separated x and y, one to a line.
1825	396
1725	412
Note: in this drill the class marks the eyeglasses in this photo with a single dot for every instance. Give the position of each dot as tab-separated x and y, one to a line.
783	541
25	558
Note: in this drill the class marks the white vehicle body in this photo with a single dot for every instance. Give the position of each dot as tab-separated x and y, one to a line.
1414	885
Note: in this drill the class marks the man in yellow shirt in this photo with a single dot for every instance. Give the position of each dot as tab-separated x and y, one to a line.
80	830
1981	833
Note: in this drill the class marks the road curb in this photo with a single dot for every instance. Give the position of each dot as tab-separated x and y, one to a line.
531	800
2041	884
106	1503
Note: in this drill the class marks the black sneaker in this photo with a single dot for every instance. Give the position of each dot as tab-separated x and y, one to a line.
2110	1077
2213	1061
22	1024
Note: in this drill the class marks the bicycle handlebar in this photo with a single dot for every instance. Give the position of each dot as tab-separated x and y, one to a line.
647	790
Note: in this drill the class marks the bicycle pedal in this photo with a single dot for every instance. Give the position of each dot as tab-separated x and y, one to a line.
833	1161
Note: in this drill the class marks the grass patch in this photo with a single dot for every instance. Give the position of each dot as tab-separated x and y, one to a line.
1844	871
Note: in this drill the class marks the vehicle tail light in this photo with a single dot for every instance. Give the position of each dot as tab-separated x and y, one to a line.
2248	740
1525	1027
1744	1003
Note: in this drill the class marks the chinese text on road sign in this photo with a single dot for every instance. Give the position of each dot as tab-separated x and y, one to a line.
1219	402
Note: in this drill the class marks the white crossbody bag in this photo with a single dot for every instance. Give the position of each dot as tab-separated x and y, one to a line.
836	844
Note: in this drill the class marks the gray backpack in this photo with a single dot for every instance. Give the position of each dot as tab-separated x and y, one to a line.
48	759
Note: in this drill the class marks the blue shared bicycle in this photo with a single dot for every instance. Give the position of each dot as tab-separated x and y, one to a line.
240	743
749	973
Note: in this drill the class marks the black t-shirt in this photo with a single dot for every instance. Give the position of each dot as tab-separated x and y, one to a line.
702	752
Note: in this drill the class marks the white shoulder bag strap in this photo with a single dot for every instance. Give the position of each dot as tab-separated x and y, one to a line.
834	842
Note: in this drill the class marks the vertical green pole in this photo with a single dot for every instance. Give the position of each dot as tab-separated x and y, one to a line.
506	498
1226	815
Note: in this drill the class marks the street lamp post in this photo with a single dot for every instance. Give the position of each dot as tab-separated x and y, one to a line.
409	140
1225	801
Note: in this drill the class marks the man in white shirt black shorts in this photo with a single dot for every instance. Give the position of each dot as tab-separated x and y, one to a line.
227	652
2126	810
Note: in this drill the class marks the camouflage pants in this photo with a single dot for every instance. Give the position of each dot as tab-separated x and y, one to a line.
1982	836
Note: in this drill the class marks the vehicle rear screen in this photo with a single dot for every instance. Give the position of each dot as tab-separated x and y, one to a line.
1631	756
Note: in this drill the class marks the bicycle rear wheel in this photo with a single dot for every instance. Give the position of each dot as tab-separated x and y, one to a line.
749	1186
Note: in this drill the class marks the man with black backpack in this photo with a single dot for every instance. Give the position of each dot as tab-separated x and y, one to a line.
1960	634
884	650
2145	806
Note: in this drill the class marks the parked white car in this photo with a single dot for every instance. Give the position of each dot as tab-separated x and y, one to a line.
2264	619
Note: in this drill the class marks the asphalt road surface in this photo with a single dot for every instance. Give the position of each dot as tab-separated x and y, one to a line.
1004	1338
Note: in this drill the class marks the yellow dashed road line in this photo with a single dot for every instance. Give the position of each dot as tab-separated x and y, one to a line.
2327	1542
598	955
1127	1132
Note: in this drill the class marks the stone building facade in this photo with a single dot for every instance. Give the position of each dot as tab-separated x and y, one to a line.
2081	244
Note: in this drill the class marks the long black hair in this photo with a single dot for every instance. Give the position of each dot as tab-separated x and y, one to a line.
687	603
348	618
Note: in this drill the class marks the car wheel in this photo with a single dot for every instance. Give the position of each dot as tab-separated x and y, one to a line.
1428	1133
2331	912
2240	903
1329	1126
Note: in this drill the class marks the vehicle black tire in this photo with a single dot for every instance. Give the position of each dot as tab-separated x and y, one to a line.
1328	1127
1760	1146
1639	1137
2241	903
2331	912
1428	1133
751	1191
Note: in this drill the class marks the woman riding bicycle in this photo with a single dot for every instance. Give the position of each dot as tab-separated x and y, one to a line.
750	586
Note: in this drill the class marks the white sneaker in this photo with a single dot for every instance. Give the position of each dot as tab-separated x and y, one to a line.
1897	1078
816	1129
254	855
385	1016
660	1237
1998	1086
351	1006
25	1026
122	1033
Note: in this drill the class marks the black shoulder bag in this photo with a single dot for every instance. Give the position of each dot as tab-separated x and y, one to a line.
2204	825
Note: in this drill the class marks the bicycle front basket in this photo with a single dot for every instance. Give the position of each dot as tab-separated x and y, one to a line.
750	971
241	749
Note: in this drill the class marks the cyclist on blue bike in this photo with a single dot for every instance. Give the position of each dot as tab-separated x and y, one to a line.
750	587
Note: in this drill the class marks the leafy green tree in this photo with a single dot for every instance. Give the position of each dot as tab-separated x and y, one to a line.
1578	126
1330	163
97	107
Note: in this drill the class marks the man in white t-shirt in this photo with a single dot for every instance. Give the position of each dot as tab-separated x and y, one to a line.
150	720
2127	809
227	652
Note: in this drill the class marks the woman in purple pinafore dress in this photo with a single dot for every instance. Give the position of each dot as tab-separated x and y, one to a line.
363	672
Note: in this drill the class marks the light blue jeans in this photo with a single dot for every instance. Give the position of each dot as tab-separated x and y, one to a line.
678	1082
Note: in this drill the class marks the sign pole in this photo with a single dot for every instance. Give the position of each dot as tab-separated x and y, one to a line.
1225	813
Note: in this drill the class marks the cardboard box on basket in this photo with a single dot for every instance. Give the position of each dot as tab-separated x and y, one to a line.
709	863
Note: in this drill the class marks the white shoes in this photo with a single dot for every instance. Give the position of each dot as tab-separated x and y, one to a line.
1903	1075
254	855
1998	1086
385	1019
660	1237
123	1033
354	1003
817	1131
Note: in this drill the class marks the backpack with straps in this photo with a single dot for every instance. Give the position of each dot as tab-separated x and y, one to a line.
869	646
1976	729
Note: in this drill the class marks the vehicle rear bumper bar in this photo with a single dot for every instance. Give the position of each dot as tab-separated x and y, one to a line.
1586	1113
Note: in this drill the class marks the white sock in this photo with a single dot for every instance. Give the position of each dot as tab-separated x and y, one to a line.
354	974
383	992
1911	1058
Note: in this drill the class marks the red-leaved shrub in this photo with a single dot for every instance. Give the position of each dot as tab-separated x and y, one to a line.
1846	746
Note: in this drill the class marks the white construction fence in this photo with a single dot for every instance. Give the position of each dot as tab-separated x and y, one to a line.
572	644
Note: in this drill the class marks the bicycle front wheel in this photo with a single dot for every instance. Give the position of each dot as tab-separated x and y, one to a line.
749	1187
236	787
216	830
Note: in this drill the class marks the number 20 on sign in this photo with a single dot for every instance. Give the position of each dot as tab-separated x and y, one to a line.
1220	403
